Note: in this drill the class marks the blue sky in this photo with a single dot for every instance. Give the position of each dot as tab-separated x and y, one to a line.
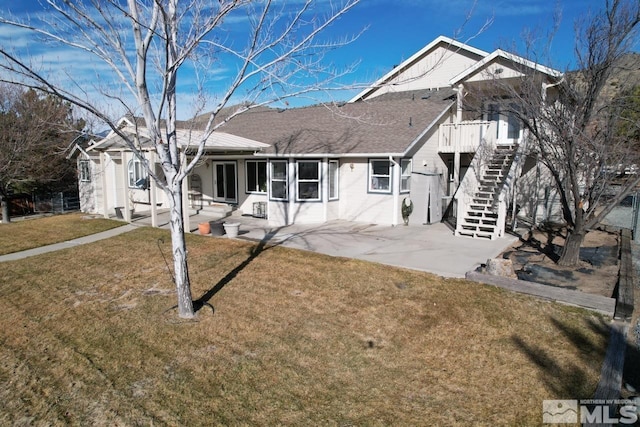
398	29
395	30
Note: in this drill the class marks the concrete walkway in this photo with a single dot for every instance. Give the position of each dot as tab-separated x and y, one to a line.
68	244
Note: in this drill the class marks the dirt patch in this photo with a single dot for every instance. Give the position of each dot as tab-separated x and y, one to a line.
534	259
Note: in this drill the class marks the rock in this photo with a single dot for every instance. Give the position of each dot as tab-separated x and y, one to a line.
501	267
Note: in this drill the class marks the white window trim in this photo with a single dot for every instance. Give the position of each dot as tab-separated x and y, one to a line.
246	171
136	173
285	180
371	176
84	167
337	180
403	175
316	180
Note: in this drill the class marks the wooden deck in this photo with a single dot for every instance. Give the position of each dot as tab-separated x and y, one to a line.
597	303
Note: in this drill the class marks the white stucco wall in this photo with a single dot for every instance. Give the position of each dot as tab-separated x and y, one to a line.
432	71
356	202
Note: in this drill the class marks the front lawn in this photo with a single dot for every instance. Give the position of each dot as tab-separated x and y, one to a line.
90	336
21	235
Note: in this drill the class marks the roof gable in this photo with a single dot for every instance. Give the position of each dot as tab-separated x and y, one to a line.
505	65
429	68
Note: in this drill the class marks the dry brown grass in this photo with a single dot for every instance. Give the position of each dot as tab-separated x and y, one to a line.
89	336
32	233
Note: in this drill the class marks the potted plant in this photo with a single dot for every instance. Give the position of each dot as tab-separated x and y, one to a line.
231	229
204	228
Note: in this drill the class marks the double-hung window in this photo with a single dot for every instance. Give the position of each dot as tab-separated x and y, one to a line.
279	180
137	174
380	176
308	180
85	170
405	175
256	176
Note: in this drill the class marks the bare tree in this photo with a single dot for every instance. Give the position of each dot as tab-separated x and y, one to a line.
148	45
35	132
575	126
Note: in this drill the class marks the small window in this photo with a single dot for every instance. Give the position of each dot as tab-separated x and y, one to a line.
308	180
279	180
380	176
334	175
256	176
405	175
85	170
137	174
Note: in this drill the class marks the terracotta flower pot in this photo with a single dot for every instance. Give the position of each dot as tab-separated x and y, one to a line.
204	228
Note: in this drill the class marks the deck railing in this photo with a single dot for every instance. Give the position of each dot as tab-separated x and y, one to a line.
464	136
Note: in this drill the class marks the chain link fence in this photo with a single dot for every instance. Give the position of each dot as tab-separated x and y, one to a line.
626	215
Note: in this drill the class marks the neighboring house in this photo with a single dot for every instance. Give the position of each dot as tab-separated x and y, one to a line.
416	133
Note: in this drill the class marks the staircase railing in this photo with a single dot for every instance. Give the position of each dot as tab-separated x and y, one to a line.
471	182
508	188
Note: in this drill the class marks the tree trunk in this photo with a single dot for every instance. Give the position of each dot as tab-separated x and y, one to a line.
179	248
6	218
571	250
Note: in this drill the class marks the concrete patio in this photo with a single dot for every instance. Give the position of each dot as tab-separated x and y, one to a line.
432	248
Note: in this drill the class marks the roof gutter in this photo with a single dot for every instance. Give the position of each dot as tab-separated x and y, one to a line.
333	155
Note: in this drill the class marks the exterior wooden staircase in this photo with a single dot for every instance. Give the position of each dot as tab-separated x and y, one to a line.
482	214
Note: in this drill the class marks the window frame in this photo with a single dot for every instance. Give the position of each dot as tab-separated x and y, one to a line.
317	181
256	164
84	169
284	180
371	176
405	177
136	172
334	181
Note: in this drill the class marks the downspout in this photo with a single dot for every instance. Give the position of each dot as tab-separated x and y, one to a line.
152	194
456	153
545	88
103	183
325	189
185	195
396	194
125	183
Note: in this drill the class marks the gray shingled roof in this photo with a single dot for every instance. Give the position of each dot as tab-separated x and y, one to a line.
385	124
